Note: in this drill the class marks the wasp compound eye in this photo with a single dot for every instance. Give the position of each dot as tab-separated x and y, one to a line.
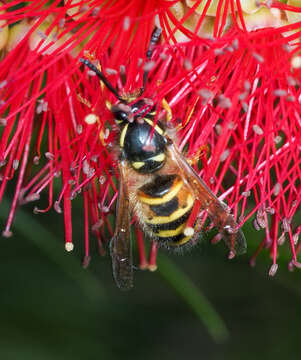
120	115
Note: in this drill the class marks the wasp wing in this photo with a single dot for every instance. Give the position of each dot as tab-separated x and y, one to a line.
121	247
216	210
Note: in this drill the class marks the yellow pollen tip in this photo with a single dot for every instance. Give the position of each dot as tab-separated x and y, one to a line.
69	246
152	268
189	231
138	164
91	119
143	266
296	62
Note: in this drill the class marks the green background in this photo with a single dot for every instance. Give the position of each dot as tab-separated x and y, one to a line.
51	308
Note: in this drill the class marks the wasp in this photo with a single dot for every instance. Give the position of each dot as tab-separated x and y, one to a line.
157	185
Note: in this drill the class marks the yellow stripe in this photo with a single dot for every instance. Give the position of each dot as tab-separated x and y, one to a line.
181	242
122	135
138	164
168	233
159	158
157	128
174	216
157	201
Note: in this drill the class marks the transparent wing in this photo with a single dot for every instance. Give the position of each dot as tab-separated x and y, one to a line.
121	248
217	211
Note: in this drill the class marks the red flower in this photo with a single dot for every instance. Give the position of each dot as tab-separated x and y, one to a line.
233	87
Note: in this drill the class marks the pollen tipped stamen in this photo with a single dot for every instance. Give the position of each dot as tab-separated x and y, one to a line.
86	261
189	227
143	264
273	270
152	264
188	231
69	246
231	255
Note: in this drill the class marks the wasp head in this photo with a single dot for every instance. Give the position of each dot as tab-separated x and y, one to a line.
124	112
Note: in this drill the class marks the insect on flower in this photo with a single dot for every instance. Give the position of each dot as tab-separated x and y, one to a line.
157	184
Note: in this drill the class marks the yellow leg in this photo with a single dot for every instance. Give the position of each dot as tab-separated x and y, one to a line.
168	110
84	101
190	111
202	153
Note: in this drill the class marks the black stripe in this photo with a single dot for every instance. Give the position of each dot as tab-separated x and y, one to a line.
160	186
171	239
150	166
166	208
172	225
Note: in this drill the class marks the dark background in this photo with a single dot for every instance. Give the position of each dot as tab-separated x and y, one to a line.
51	308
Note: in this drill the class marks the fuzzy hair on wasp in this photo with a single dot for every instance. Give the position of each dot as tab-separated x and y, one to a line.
157	184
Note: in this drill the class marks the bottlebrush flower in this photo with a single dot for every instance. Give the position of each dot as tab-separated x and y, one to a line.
229	70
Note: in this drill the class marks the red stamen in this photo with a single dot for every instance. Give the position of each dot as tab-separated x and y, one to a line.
143	264
152	264
189	229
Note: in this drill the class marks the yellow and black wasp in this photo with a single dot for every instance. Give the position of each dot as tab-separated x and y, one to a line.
157	185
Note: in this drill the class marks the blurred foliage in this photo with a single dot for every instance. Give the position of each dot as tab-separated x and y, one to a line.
53	309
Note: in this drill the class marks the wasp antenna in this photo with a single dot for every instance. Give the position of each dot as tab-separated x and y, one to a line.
101	77
153	42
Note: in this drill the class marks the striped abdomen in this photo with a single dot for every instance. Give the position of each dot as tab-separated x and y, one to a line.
165	205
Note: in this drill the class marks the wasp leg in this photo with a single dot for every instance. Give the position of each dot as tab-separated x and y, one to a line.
168	110
121	247
84	101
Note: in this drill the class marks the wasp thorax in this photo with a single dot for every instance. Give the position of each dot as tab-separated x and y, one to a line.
141	139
